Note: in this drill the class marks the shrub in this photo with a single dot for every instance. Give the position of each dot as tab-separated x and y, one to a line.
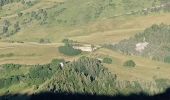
6	82
167	59
39	74
57	61
44	40
162	83
129	63
36	87
20	14
68	42
9	55
69	50
107	60
10	67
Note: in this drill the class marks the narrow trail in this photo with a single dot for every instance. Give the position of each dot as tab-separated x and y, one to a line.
5	45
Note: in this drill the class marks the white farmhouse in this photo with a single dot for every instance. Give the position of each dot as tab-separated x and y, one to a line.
86	47
141	46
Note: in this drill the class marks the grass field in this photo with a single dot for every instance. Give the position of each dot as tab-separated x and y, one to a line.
104	31
30	53
146	69
33	53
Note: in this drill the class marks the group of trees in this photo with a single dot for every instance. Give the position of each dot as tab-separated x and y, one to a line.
86	75
37	74
10	67
167	59
28	2
9	29
6	25
157	37
5	2
40	15
134	7
7	82
68	49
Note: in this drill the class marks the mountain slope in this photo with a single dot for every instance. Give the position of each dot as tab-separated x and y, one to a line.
72	18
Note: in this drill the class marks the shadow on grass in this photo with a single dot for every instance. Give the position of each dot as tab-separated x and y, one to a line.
67	96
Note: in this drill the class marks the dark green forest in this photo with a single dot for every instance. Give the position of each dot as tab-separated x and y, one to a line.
85	75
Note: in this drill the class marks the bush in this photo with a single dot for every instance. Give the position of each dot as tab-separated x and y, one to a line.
57	61
6	82
107	60
129	63
44	40
162	83
167	59
20	14
69	50
6	55
39	74
11	67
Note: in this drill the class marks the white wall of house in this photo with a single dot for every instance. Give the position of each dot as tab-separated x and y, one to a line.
141	46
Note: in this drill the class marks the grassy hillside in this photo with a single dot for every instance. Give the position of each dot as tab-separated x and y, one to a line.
32	33
80	18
